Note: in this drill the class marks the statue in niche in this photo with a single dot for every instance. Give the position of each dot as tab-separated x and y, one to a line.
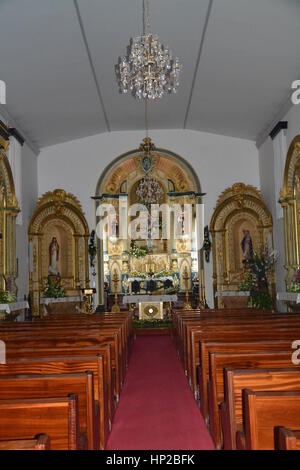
53	257
247	246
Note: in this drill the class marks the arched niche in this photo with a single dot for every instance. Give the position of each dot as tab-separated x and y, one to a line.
8	212
239	208
290	201
58	215
117	185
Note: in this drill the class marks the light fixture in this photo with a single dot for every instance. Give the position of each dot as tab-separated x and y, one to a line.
148	71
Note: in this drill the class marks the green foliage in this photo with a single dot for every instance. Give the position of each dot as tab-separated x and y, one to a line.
138	252
7	297
247	284
156	323
53	290
163	273
137	274
294	287
260	299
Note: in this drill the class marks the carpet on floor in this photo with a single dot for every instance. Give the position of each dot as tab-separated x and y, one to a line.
157	410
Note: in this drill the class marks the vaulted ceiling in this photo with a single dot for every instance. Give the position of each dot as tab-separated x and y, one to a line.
57	58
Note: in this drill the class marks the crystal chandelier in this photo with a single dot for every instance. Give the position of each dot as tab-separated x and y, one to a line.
148	71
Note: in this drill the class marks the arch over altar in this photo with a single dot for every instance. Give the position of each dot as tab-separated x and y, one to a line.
58	235
241	225
9	210
125	182
290	201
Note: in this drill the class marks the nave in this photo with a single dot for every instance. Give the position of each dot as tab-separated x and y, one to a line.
157	409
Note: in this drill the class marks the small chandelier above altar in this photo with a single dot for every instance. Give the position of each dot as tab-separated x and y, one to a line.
149	70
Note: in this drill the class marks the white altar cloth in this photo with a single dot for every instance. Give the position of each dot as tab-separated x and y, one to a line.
9	308
232	293
136	299
288	297
61	300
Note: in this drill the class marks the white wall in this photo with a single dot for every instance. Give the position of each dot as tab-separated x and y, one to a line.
266	169
29	196
219	161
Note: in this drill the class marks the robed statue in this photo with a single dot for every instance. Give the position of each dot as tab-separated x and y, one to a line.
247	246
53	257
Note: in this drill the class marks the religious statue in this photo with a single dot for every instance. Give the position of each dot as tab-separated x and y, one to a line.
53	257
247	246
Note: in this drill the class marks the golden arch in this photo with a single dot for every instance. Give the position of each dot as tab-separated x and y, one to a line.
239	208
58	214
290	201
179	182
8	212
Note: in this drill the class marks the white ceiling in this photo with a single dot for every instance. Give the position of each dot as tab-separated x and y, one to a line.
57	57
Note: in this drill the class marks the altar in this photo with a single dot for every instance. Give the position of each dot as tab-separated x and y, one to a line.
150	306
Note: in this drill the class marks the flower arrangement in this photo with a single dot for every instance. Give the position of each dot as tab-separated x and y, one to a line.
163	273
246	284
53	290
7	297
294	286
255	278
137	274
138	252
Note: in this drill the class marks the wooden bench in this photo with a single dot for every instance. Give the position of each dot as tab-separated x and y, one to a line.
41	442
62	385
41	351
56	417
236	381
263	411
69	365
249	360
286	439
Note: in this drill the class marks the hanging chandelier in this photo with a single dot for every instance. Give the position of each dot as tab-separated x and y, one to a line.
148	71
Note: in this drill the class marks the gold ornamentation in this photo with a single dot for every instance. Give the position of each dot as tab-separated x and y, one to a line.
186	278
8	213
59	214
290	202
240	207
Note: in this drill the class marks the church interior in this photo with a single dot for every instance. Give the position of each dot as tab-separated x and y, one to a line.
149	225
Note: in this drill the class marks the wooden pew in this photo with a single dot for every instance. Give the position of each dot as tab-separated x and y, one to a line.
59	340
286	439
69	365
41	442
40	351
56	417
236	381
263	411
249	360
238	332
61	385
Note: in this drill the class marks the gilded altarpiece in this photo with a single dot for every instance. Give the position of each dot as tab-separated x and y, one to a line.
240	214
117	186
290	201
58	217
8	212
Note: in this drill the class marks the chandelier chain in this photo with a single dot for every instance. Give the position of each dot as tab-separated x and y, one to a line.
147	18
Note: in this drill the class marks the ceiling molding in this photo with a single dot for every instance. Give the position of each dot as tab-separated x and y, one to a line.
283	110
12	123
203	35
93	69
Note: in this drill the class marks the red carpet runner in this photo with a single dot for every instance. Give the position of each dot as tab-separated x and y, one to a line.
157	410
